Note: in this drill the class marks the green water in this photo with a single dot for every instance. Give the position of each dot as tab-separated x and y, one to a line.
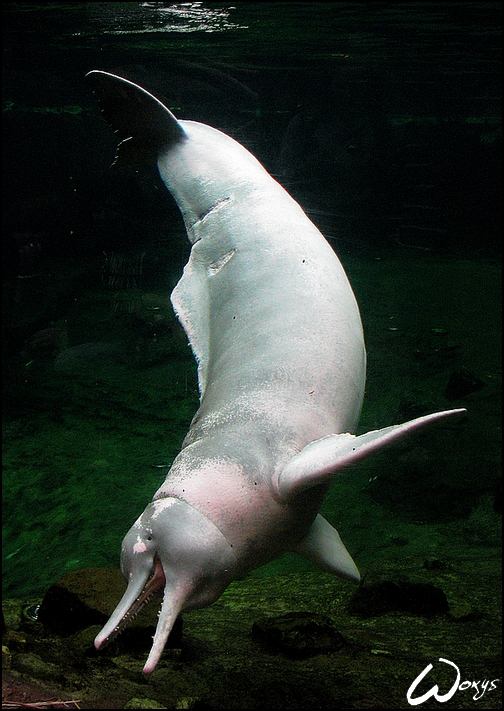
384	122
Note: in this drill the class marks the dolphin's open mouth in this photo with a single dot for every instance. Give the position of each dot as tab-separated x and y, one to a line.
153	587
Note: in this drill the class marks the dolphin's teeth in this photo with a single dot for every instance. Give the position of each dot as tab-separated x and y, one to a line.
136	607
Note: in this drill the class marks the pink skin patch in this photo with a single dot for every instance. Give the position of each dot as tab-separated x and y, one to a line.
139	547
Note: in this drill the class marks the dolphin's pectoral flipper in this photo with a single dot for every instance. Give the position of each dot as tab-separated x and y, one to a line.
321	459
144	123
324	547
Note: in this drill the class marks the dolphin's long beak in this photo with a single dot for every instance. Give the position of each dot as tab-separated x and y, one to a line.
170	609
141	589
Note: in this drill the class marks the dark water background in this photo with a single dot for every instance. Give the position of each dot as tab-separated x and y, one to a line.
384	121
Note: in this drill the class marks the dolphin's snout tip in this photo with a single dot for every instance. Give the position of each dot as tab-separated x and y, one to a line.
99	640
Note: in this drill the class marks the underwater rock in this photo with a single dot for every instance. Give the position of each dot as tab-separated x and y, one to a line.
143	704
87	597
33	665
462	382
190	702
378	598
462	612
299	634
65	609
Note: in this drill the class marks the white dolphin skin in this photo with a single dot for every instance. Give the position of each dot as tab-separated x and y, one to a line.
276	332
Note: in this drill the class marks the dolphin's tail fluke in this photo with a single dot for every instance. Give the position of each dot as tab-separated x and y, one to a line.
145	125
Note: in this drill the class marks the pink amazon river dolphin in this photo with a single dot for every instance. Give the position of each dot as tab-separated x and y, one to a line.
275	329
